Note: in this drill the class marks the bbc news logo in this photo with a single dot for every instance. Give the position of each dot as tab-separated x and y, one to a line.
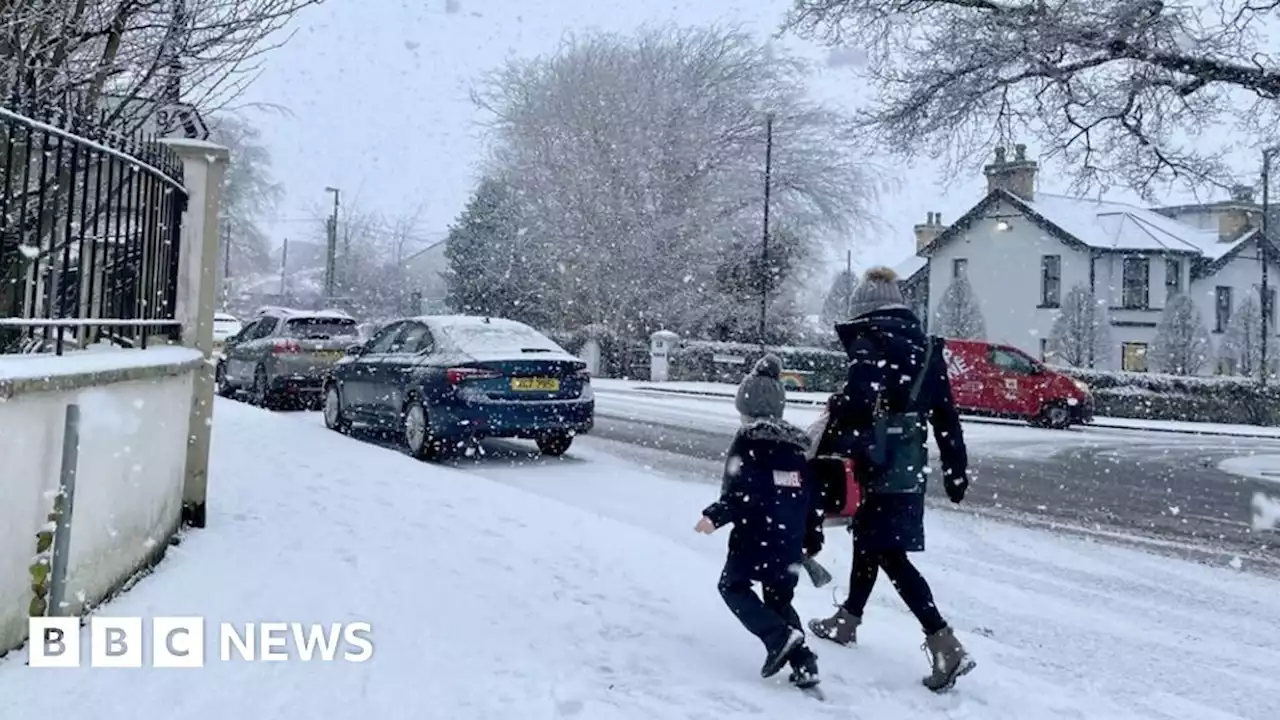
179	642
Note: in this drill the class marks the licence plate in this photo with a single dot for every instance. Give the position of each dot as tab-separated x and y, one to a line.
328	354
535	384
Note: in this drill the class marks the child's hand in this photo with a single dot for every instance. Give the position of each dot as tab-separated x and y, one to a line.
705	526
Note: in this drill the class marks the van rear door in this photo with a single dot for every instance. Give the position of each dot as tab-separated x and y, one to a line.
965	374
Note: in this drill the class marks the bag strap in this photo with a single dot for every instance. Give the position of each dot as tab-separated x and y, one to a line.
924	370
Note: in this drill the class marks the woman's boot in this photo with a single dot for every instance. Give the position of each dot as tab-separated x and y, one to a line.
841	628
949	660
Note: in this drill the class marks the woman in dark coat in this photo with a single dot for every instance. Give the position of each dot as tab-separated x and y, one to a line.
897	382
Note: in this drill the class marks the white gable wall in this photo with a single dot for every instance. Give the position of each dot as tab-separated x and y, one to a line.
1004	269
1242	273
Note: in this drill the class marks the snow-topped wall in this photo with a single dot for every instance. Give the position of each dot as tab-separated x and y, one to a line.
135	407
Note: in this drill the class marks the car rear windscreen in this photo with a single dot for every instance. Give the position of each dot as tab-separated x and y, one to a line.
496	339
321	328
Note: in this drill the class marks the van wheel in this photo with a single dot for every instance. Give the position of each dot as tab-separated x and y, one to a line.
1055	415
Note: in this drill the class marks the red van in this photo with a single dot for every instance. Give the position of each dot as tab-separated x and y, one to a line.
1002	381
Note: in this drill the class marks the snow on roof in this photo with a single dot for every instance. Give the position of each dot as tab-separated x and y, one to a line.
910	266
1119	226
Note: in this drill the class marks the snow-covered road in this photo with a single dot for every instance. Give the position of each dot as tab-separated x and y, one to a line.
512	586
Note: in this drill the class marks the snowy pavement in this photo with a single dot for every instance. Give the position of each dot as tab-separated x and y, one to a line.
516	587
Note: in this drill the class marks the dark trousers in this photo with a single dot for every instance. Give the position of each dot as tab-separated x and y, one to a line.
769	616
906	579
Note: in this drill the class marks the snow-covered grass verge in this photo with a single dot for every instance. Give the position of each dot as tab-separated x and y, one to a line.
584	593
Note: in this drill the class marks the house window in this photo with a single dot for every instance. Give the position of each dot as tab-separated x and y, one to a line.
959	267
1221	308
1172	279
1136	277
1051	281
1133	357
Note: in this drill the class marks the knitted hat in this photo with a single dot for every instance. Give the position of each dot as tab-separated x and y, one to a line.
761	394
878	290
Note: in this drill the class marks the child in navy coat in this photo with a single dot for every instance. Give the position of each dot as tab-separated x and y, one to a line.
776	511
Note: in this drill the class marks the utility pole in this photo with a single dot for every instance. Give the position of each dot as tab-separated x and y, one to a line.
177	40
848	269
764	245
331	258
1264	245
284	265
226	261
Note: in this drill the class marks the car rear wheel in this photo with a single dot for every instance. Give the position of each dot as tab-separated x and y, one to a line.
555	444
1056	416
221	385
262	395
416	431
334	419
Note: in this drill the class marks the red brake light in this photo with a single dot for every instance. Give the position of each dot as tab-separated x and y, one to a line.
286	346
459	375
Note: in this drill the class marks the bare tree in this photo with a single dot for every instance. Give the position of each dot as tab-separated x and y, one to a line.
1240	351
122	54
1181	346
1080	334
835	307
249	195
1114	87
959	315
639	163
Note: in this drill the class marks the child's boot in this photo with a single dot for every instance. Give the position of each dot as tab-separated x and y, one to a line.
804	667
777	656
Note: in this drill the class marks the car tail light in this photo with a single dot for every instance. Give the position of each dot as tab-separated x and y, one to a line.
584	374
461	375
286	347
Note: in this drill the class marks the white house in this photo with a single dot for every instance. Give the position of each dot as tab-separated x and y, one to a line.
424	271
1022	250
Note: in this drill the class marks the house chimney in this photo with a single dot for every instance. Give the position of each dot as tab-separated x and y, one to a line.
1017	176
931	229
1233	222
1242	193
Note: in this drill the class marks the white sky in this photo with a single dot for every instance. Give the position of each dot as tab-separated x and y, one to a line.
377	91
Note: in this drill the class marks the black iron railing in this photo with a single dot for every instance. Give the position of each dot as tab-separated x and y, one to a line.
89	232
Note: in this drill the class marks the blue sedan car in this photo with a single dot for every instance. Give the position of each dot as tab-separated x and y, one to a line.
441	381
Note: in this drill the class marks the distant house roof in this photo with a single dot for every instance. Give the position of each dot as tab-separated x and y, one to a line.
1104	226
1107	225
908	268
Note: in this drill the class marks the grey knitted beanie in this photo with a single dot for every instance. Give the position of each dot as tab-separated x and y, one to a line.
878	290
761	394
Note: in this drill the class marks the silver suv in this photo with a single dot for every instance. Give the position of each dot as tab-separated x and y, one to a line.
285	355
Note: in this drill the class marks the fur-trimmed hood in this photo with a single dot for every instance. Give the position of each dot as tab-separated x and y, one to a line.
775	430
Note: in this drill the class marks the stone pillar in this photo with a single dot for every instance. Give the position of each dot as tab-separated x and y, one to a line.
591	356
203	167
661	344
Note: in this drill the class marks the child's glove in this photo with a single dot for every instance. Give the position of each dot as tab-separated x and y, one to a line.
956	486
813	541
